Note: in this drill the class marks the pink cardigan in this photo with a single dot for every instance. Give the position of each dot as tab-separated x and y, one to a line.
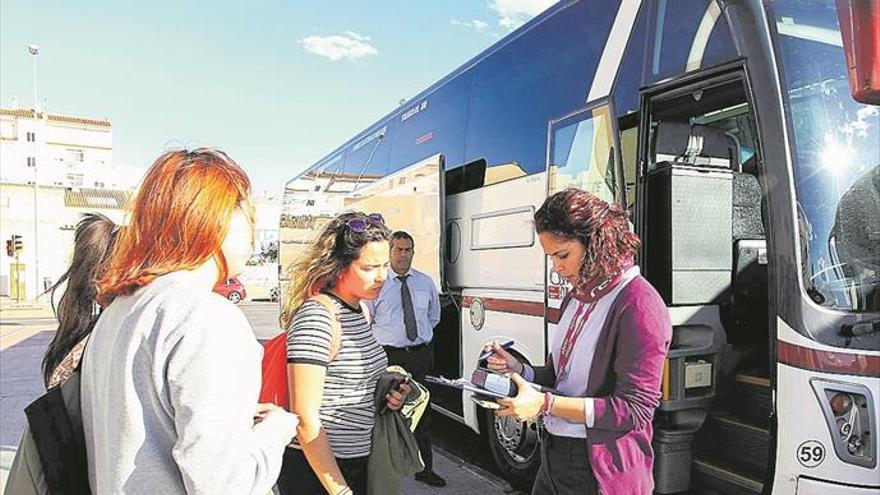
625	380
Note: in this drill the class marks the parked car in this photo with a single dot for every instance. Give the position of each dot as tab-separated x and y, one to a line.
232	289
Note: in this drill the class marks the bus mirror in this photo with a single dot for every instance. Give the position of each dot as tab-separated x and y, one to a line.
860	29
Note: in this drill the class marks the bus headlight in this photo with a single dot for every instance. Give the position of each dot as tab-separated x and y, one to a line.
849	412
840	404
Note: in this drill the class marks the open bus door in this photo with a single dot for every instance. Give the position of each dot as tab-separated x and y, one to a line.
583	152
410	200
413	200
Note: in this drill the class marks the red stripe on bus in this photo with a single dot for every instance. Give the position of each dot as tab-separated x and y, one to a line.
827	361
527	308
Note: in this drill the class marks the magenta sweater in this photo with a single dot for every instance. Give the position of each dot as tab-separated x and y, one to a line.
625	380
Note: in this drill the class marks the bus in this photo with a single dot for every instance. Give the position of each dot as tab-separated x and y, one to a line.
742	136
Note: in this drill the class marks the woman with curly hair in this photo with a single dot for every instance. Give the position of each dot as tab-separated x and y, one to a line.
606	360
334	366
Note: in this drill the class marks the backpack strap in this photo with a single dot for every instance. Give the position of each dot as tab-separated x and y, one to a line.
330	305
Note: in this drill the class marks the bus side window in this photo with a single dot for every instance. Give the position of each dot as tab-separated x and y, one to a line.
629	149
582	153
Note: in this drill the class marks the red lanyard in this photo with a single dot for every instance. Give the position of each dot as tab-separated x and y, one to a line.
575	327
578	322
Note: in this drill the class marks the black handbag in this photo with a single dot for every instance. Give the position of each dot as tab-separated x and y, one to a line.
55	422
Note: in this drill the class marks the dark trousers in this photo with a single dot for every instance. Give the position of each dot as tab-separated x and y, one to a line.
298	478
565	468
419	362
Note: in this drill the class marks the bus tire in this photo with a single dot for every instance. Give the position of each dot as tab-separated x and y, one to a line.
515	447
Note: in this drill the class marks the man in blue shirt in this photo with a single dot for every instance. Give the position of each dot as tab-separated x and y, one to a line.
404	317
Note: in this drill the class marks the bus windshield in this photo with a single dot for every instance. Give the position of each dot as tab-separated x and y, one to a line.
836	159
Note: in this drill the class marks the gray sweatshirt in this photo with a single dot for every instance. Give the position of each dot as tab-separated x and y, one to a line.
170	381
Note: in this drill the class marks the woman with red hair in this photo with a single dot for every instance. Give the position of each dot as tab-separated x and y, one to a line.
171	373
606	360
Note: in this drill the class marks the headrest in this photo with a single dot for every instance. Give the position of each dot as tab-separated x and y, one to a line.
696	144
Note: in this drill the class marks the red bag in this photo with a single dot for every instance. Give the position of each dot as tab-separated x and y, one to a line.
275	387
275	372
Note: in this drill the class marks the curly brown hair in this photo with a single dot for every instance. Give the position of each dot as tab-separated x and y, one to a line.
602	228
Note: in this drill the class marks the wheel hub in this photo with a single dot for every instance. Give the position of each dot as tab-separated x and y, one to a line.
518	438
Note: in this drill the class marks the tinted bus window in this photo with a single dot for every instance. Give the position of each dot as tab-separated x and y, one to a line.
370	154
433	124
630	76
581	153
543	75
678	43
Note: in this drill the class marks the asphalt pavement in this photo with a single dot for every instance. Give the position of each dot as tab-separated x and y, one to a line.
25	334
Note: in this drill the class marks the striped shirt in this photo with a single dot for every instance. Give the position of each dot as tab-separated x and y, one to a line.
347	410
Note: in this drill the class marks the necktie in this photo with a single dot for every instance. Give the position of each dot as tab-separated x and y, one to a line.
409	314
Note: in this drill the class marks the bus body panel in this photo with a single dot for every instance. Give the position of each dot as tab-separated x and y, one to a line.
497	246
807	427
507	321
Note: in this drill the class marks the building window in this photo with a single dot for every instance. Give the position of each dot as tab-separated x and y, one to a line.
75	180
31	137
76	155
31	161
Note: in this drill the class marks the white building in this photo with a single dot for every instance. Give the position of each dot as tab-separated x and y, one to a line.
70	159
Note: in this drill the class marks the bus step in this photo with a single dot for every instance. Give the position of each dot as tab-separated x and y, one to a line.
750	399
740	444
711	477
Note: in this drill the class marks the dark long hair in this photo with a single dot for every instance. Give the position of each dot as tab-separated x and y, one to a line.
331	253
77	309
602	228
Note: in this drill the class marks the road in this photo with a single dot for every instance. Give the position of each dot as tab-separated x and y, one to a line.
460	456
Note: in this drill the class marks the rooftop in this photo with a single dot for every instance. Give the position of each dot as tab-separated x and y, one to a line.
29	113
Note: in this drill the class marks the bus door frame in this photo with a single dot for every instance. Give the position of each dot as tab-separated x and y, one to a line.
552	312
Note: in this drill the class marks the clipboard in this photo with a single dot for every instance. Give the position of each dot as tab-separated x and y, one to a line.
464	385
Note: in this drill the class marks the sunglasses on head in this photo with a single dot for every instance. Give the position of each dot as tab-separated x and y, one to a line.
362	223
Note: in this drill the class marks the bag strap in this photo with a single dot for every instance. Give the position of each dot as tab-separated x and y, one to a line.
330	305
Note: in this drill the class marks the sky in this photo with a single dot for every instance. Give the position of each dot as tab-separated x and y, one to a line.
276	84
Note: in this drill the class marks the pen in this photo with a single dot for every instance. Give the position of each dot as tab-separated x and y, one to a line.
485	354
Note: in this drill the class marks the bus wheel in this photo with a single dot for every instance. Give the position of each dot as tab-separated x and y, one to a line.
515	448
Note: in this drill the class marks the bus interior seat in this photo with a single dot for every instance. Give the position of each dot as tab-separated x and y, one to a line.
696	145
748	309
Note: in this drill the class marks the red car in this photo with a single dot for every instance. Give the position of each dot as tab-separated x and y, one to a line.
232	289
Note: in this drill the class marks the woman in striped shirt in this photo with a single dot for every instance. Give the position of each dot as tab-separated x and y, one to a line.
333	368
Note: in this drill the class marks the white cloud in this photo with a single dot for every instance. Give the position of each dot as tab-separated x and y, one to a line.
348	45
513	13
475	24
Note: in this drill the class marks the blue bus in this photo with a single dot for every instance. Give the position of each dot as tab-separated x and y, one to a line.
743	138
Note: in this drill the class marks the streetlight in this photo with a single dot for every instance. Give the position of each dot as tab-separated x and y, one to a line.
34	50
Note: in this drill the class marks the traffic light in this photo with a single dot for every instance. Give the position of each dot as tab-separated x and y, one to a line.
17	244
10	248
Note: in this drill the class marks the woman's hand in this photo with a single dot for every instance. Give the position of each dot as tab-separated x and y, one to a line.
271	412
526	405
397	396
502	361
